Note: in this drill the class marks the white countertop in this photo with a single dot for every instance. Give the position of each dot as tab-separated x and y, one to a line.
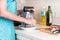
31	32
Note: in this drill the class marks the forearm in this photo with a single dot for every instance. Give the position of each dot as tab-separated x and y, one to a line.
9	15
6	14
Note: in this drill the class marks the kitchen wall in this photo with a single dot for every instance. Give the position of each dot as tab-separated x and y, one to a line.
20	4
40	4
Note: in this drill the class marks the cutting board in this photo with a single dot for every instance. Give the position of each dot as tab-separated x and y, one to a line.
48	29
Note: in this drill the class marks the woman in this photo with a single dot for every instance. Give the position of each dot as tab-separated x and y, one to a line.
7	11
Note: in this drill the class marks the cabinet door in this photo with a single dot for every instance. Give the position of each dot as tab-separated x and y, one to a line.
21	37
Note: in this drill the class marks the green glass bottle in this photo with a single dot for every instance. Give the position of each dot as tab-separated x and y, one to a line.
49	16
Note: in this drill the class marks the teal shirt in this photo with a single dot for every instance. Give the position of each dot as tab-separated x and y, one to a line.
7	30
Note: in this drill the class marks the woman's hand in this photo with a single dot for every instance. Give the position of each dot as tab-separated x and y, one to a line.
30	21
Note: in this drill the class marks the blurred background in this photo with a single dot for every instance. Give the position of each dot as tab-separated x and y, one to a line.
39	5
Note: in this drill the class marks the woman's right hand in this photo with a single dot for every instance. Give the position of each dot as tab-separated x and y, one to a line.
30	21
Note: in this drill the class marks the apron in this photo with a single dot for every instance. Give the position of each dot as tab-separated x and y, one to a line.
7	30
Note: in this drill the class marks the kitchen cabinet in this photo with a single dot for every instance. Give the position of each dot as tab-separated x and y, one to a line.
21	36
32	34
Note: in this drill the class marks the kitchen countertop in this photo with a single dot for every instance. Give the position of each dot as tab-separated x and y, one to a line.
39	35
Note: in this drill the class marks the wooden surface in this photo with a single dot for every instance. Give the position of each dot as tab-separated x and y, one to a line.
48	29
